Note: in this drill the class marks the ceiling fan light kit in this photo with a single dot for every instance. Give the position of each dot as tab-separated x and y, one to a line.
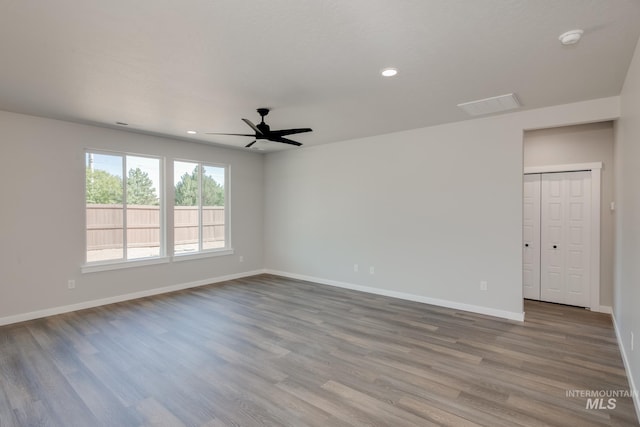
263	131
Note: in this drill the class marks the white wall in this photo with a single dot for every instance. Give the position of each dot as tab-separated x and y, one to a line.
434	210
627	253
42	214
586	143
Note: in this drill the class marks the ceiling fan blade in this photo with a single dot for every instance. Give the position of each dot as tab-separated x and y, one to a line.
250	144
231	134
286	141
283	132
254	127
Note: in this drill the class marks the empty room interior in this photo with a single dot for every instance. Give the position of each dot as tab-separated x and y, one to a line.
320	213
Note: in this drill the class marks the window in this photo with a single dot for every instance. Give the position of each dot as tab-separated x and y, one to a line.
123	207
199	211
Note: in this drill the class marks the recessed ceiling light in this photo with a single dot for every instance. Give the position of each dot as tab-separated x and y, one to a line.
570	37
389	72
191	132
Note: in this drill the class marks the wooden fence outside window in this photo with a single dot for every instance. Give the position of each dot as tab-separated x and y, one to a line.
105	222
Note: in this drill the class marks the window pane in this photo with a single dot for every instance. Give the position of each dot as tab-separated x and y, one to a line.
212	207
186	208
104	189
143	207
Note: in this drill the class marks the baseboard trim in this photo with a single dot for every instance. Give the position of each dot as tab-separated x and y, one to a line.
603	309
157	291
120	298
405	296
625	360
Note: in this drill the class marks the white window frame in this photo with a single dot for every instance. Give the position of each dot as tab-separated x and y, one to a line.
89	267
206	253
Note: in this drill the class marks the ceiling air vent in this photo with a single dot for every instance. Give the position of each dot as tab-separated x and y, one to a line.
491	105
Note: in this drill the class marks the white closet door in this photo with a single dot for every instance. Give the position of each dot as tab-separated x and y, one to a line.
565	238
531	237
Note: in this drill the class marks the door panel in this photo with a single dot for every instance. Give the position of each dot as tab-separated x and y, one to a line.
531	237
551	259
578	238
564	237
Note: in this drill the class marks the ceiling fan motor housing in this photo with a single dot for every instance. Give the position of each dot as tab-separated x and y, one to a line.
264	128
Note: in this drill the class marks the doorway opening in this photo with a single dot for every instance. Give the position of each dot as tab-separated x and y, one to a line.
567	223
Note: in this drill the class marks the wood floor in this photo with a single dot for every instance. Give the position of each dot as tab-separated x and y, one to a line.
269	351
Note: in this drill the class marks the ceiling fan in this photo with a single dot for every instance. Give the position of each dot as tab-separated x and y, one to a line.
262	131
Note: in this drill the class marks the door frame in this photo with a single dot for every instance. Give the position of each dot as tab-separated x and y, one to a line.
594	257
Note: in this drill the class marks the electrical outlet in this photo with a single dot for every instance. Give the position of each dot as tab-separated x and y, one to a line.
483	285
241	258
71	284
372	270
355	268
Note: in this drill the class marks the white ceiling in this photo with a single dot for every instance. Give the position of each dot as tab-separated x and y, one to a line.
166	67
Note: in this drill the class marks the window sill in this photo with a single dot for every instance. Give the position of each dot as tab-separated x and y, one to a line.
118	265
200	255
106	266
